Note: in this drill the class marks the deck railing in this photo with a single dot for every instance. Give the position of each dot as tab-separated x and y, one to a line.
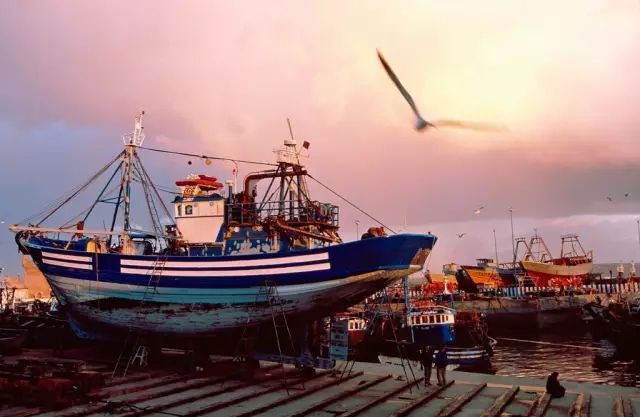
289	210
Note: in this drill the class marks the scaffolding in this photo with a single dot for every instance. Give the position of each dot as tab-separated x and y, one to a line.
131	348
267	293
383	310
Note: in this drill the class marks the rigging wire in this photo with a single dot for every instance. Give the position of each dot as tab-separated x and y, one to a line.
151	185
216	158
75	192
352	204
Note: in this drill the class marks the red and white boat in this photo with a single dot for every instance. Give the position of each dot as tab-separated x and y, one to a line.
573	265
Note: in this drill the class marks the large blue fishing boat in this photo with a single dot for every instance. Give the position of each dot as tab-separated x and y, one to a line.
204	271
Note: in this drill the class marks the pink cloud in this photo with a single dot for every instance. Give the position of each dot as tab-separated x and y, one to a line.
221	78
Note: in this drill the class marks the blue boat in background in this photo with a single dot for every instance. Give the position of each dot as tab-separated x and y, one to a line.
434	322
206	270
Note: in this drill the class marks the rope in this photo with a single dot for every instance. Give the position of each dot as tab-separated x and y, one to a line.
98	174
216	158
352	204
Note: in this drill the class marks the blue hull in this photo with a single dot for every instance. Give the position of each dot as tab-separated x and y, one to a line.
430	335
202	295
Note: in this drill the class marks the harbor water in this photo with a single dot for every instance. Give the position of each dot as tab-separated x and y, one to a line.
569	350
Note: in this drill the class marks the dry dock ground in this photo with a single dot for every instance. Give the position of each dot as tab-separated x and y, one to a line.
369	390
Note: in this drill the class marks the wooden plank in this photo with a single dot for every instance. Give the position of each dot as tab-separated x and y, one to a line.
496	408
296	396
531	408
580	407
87	409
366	406
459	402
339	396
542	406
404	411
586	406
160	408
622	407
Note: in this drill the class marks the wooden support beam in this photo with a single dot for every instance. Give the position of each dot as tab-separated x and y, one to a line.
454	406
366	406
622	407
404	411
296	396
501	403
580	407
339	396
542	406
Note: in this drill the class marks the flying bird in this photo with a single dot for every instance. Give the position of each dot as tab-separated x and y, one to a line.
421	123
627	194
460	235
478	210
609	198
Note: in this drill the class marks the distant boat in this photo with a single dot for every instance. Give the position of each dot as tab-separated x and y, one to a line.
484	274
432	322
512	273
570	268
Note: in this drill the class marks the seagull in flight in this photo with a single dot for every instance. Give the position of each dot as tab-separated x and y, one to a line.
627	194
478	210
460	235
421	123
609	198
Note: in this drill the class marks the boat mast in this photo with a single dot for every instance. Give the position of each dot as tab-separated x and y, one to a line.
407	306
495	246
131	141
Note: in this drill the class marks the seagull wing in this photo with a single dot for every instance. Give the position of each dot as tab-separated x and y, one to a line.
477	126
398	84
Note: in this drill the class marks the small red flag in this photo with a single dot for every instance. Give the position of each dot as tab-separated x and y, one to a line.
306	144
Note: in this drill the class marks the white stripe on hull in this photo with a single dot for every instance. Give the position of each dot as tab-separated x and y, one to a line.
415	365
62	257
181	316
86	267
236	273
226	263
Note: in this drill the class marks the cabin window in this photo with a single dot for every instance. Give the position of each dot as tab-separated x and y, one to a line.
438	319
431	319
179	210
188	210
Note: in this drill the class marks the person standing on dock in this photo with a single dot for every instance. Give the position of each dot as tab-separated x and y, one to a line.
426	359
441	365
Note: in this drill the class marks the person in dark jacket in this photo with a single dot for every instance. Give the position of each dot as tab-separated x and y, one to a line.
441	365
553	386
426	359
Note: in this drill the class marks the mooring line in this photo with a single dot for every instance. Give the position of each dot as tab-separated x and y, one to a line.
551	344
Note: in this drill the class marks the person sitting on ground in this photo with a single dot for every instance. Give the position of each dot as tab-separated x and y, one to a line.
441	365
426	359
553	386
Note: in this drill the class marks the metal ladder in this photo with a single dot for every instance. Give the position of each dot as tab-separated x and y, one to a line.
268	293
133	338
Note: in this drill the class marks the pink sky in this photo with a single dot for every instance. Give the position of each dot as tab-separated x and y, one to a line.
222	77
